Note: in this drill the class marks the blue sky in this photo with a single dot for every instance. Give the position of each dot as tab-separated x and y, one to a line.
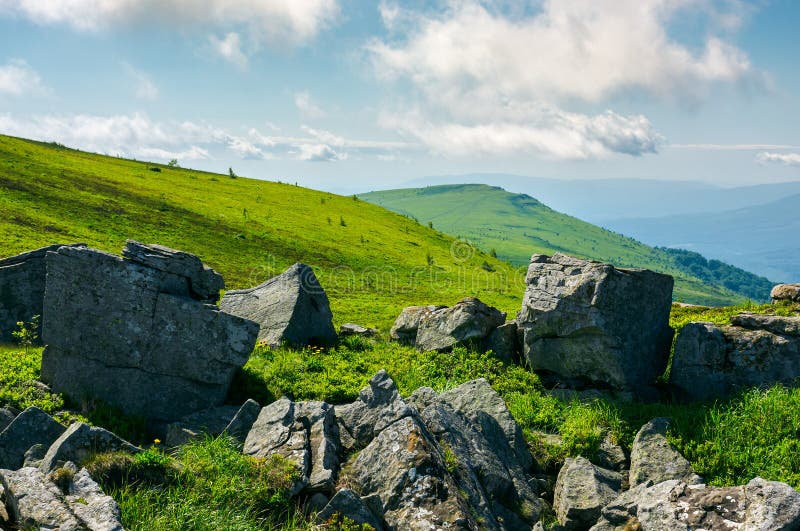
353	96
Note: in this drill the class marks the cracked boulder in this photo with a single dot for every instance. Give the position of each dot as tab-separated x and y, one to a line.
404	329
306	434
713	361
589	324
131	332
291	308
469	321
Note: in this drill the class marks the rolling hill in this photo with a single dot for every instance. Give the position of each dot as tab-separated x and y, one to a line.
762	238
515	225
371	261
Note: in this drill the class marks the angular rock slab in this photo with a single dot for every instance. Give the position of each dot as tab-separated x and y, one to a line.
35	502
291	307
654	459
588	323
79	442
134	337
758	506
302	432
468	320
404	329
581	491
713	361
31	427
22	284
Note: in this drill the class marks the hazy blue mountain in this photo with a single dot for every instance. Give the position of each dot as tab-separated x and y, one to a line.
764	239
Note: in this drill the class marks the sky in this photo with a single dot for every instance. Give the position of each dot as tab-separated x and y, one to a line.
348	95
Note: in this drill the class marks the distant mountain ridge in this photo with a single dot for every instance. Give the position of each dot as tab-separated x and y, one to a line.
516	225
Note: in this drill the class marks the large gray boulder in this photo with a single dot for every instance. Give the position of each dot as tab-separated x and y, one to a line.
22	283
135	336
304	433
758	506
589	323
785	292
35	502
291	307
31	427
654	459
581	491
470	320
404	329
713	361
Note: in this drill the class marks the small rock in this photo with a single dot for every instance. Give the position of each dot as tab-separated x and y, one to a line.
34	455
79	442
581	491
32	426
503	341
243	421
421	398
654	459
405	327
611	455
352	329
469	320
785	292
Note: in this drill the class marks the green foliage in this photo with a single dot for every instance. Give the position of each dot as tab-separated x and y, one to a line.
450	458
19	375
231	174
173	163
513	226
27	334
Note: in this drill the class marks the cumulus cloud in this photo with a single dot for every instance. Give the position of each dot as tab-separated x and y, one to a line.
144	88
309	109
284	21
787	159
492	79
138	136
230	49
18	78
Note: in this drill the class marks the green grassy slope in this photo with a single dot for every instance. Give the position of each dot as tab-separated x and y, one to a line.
371	261
517	225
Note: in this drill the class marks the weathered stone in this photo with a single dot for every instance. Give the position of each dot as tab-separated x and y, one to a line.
492	483
32	426
421	398
582	490
378	405
713	361
211	421
486	410
245	417
79	442
6	417
503	341
22	284
133	337
654	459
36	502
588	323
304	433
291	308
348	504
610	455
785	292
758	506
203	283
34	455
352	329
405	468
469	320
405	327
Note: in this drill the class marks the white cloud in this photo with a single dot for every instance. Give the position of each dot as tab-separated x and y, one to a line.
496	79
136	135
732	147
306	106
18	78
230	49
144	88
787	159
276	21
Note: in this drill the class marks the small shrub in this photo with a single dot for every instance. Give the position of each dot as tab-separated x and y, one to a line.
27	334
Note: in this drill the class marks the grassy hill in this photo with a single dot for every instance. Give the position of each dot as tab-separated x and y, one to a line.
516	225
371	261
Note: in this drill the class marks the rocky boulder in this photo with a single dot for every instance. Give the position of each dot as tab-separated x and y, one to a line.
654	459
785	292
758	506
352	329
135	336
588	323
405	327
30	428
22	283
713	361
504	342
79	442
291	307
469	320
581	491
